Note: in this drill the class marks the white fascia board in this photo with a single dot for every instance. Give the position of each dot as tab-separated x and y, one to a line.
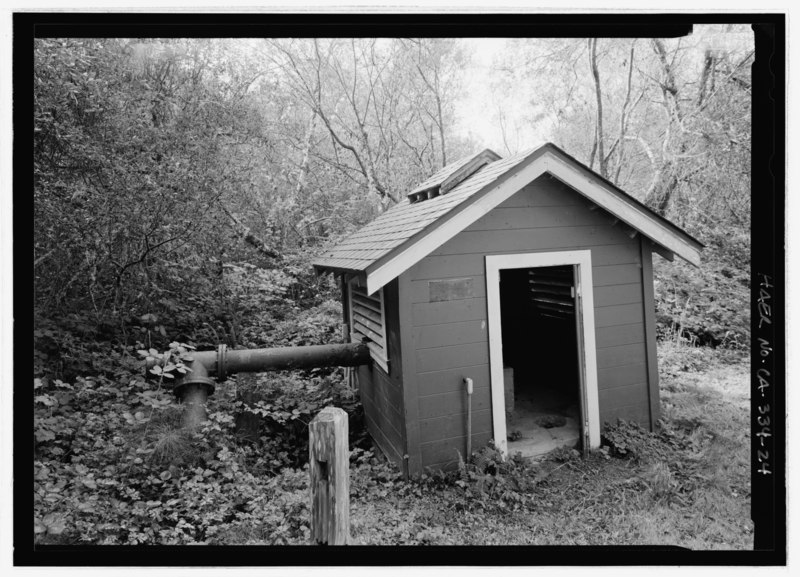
451	227
598	192
561	169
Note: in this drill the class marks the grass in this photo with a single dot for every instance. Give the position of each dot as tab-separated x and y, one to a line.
687	485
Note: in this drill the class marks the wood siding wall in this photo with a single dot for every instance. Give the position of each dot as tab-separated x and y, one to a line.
382	392
450	338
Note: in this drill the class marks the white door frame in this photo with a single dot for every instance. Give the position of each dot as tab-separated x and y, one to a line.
582	260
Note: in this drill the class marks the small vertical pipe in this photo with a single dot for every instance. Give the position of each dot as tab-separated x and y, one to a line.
348	372
468	383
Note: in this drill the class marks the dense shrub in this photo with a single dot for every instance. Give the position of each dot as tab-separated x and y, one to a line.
317	325
709	305
179	195
113	465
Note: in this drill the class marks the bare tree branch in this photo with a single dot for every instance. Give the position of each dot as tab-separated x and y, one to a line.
246	234
598	133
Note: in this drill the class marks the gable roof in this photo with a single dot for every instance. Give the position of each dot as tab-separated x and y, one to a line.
407	232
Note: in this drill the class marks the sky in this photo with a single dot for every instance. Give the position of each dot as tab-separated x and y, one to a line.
477	112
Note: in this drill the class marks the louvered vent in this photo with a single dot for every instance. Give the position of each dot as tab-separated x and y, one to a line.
552	291
368	321
451	176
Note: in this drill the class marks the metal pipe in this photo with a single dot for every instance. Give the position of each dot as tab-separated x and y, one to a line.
468	382
224	362
194	388
194	398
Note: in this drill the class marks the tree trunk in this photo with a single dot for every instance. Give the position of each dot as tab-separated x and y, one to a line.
660	195
708	72
598	132
301	176
440	123
246	235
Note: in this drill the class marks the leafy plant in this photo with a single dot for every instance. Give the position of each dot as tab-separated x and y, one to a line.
165	365
660	481
705	306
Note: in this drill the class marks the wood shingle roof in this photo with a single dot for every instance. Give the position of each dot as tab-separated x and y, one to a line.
409	231
405	219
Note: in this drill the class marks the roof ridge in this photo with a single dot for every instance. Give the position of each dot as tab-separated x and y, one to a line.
392	232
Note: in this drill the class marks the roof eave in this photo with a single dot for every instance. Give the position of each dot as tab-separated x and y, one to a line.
629	210
321	268
670	238
666	222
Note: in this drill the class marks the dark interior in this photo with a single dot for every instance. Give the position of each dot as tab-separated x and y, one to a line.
540	344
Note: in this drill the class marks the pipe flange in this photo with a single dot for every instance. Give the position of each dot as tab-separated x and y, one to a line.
207	382
222	362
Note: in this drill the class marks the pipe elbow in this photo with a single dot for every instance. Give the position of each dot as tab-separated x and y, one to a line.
197	376
469	384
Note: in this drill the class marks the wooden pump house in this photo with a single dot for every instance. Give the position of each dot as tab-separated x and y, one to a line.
521	287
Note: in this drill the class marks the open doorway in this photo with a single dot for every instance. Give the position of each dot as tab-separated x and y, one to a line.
544	359
541	359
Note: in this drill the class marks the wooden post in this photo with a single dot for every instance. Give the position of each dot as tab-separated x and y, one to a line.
329	465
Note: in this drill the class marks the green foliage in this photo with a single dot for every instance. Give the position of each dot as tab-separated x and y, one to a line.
169	365
285	403
114	465
314	326
677	358
660	481
628	440
119	186
487	481
563	454
279	516
182	178
161	167
707	305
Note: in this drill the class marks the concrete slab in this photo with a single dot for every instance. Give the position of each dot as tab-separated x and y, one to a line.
531	405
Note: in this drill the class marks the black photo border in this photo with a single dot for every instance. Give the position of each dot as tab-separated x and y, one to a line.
768	258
